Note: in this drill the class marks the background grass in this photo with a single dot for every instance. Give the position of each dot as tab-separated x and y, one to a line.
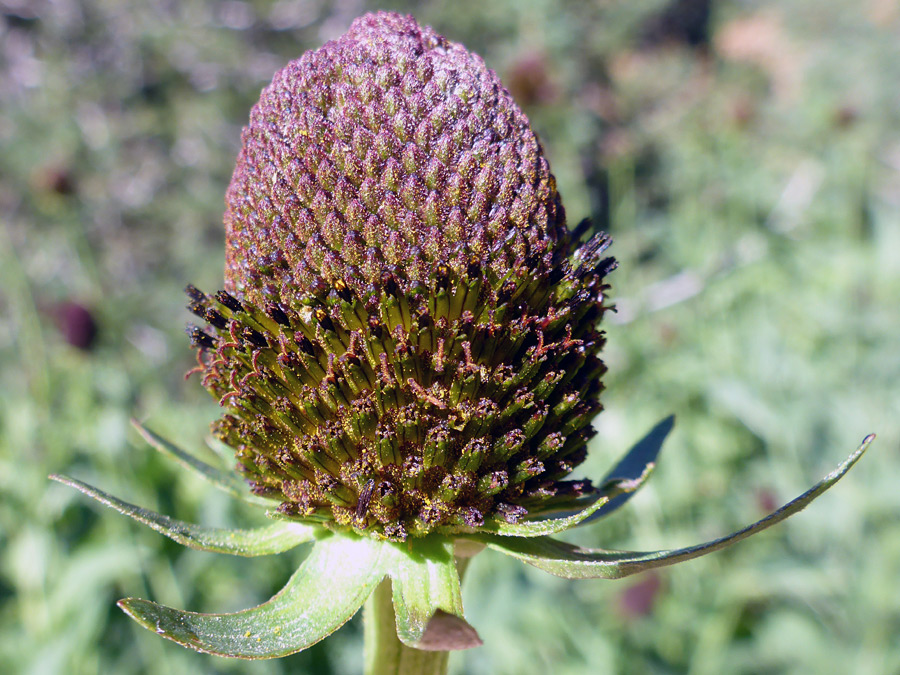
748	167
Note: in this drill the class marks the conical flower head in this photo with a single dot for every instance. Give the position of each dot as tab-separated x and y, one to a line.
408	338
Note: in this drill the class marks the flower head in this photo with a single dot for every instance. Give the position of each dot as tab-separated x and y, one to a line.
407	349
408	338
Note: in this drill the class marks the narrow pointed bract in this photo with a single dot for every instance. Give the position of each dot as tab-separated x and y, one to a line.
266	540
573	562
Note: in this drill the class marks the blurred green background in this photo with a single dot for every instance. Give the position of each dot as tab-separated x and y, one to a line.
744	155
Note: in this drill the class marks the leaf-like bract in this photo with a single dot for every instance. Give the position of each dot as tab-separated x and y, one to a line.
573	562
330	586
633	466
274	538
224	480
427	600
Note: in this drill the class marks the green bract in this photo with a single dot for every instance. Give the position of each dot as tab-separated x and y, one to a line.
408	351
344	569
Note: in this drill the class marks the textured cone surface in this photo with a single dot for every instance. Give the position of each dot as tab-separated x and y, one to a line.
408	342
390	146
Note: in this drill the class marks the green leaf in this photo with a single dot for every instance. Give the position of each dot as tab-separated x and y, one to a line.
539	528
328	589
427	600
275	538
224	480
572	562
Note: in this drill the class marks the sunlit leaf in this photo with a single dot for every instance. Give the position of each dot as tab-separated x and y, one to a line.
328	589
572	562
275	538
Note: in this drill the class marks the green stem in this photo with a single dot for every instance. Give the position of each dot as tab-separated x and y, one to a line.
384	653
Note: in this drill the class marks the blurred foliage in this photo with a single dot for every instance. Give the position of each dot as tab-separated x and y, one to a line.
746	158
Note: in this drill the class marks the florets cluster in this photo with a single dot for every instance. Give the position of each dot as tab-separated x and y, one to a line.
408	341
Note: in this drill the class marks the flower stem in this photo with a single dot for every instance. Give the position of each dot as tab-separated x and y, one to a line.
384	653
